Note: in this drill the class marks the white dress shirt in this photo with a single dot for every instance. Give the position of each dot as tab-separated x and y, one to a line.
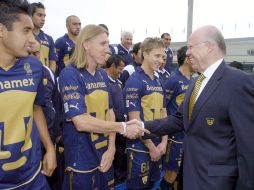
208	73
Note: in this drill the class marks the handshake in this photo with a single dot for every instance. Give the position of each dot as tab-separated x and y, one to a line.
133	129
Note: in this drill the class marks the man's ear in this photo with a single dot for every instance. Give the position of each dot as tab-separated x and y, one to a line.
211	46
2	29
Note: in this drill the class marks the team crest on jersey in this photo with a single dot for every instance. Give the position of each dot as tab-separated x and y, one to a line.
45	81
27	68
144	179
210	121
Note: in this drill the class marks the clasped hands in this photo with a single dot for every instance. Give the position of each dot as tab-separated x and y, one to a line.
135	129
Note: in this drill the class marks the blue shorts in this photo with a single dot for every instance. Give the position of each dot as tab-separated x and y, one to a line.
91	180
39	183
173	156
141	170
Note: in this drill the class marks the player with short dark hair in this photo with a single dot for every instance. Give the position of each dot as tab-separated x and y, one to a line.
176	87
48	54
21	97
169	62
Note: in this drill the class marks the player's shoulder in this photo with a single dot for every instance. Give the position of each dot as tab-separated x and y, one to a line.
70	69
33	61
61	40
48	36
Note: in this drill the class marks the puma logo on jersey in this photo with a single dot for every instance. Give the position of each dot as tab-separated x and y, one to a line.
131	103
145	81
74	106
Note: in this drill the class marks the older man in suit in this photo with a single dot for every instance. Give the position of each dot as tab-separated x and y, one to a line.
217	118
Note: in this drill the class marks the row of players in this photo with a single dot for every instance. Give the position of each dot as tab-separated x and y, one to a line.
87	93
23	150
171	93
65	45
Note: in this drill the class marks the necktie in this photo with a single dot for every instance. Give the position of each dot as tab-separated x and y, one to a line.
195	93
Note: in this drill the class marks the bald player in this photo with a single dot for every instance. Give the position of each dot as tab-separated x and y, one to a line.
66	43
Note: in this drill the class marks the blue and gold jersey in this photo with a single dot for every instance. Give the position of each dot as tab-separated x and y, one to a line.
176	87
47	50
20	151
145	95
63	47
83	93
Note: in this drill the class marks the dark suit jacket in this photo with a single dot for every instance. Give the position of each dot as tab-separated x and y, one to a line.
219	140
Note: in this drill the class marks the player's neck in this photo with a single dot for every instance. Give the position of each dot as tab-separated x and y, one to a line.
91	69
72	37
7	61
36	31
110	73
185	71
148	70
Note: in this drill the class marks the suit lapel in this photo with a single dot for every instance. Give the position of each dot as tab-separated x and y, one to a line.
208	90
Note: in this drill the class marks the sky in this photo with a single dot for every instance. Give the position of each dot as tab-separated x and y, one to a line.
152	17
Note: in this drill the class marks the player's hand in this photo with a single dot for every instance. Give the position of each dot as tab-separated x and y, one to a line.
155	154
107	160
134	129
49	162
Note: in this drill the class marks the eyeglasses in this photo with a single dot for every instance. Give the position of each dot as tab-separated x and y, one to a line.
196	45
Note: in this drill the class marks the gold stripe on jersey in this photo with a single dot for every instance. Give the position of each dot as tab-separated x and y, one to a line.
167	152
130	165
44	55
101	144
71	178
14	165
152	105
177	142
111	182
136	150
80	171
6	68
179	99
36	173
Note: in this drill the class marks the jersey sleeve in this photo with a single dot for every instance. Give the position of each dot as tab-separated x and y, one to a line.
72	93
109	89
59	50
171	87
132	94
52	50
39	99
